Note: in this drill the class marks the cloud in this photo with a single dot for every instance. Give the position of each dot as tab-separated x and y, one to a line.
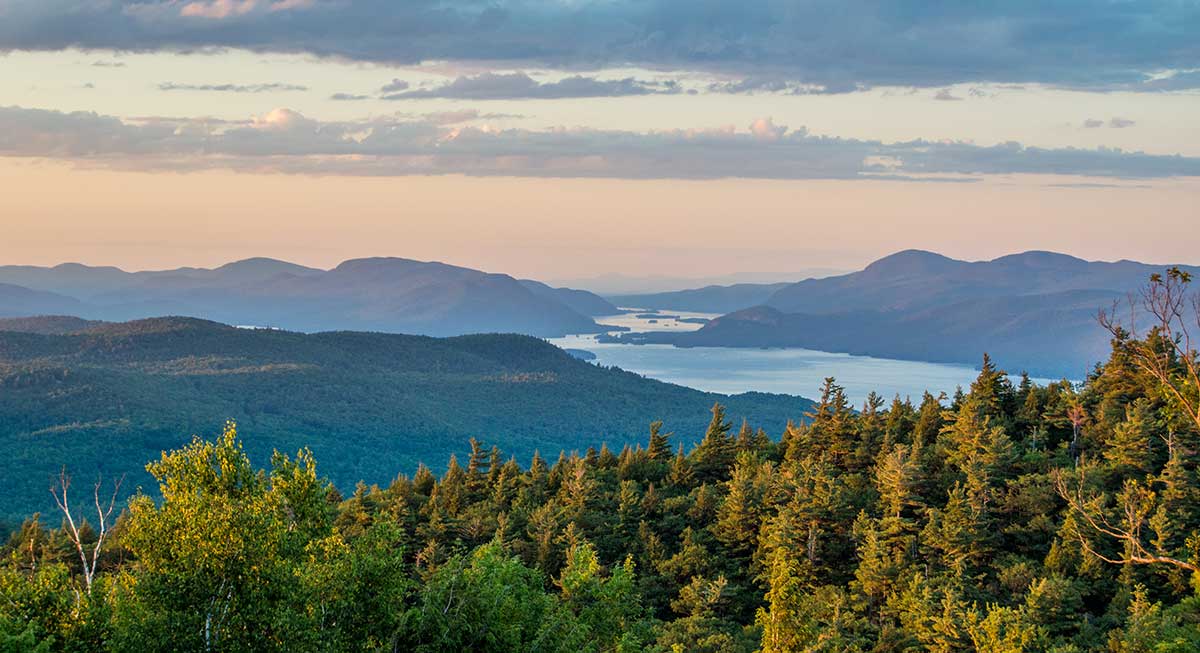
1174	81
348	97
463	115
765	129
394	86
232	88
1114	123
946	96
826	44
751	85
222	9
513	86
1091	185
284	140
218	8
108	64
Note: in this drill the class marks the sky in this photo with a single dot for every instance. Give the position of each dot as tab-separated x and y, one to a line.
569	139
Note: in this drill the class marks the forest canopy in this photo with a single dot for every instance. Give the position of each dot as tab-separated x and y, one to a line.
1011	517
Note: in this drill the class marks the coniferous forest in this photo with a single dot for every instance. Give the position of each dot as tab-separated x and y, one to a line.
1010	517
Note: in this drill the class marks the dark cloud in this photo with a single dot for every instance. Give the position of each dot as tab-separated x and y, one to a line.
1092	123
348	97
232	88
514	86
286	141
830	44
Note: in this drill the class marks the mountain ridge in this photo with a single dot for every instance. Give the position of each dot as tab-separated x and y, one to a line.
1034	311
373	294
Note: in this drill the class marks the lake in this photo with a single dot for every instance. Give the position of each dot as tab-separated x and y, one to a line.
732	370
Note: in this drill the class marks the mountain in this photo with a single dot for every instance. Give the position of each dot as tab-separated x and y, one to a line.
709	299
1034	311
87	282
47	324
111	396
620	284
580	301
375	294
72	279
17	301
915	279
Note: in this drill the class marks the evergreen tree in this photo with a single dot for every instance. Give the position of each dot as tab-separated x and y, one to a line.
714	455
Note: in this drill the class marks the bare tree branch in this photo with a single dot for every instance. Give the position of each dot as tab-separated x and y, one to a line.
1136	502
60	490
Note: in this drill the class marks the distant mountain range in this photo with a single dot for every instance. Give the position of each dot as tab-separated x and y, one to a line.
105	398
709	299
16	301
376	294
1034	311
621	284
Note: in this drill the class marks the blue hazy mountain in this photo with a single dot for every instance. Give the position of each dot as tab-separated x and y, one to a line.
1035	311
374	294
709	299
17	301
580	301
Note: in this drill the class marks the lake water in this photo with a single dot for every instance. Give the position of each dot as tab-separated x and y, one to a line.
731	370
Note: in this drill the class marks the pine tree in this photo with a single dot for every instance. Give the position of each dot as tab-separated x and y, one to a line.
478	466
451	492
660	443
993	393
713	456
831	430
749	489
681	474
1131	450
901	419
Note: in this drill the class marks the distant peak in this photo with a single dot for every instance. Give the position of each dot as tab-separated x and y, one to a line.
377	261
1040	258
264	263
394	264
81	267
911	261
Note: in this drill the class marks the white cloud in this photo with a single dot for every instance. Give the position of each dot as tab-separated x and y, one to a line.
765	129
284	140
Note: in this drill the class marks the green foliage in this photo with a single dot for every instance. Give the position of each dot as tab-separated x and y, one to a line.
369	405
1011	520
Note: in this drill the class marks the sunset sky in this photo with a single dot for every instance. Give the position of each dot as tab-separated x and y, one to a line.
576	138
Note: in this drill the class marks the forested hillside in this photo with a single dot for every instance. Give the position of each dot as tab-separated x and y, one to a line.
107	397
1011	518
